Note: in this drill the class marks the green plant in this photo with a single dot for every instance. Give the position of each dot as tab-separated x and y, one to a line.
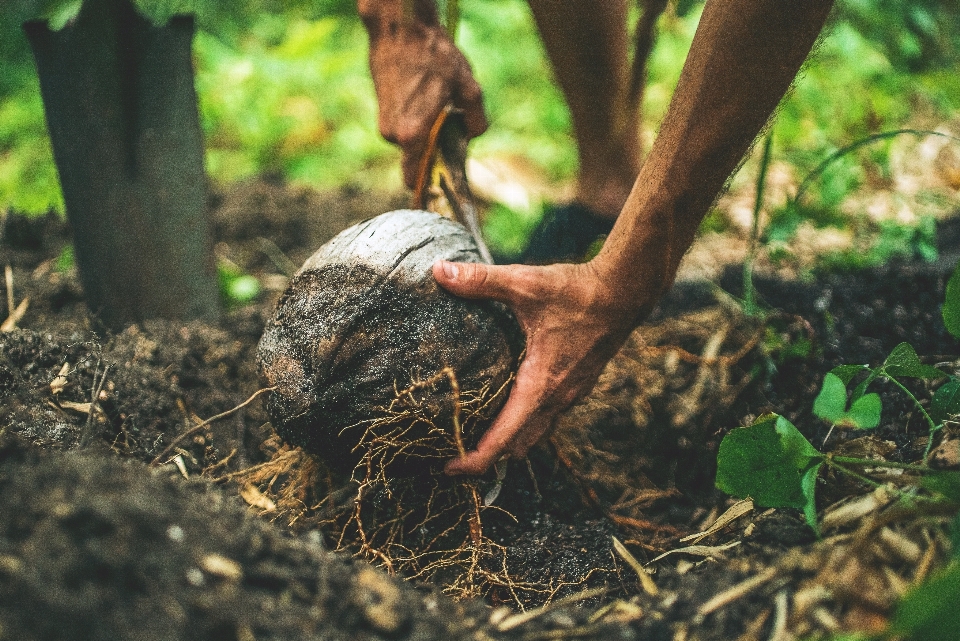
236	287
749	295
772	462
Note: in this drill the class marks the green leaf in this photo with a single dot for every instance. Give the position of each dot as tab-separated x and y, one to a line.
903	361
861	389
955	537
243	289
66	260
831	405
771	462
951	306
846	372
946	401
929	612
864	414
808	484
945	483
831	402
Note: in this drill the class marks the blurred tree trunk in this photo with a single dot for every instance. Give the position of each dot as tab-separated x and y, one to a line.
121	109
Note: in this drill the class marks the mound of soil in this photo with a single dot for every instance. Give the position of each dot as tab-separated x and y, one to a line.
102	536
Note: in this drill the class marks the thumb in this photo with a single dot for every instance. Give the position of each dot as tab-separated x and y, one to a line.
473	280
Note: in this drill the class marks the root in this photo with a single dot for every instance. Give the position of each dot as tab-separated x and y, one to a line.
651	414
399	511
426	527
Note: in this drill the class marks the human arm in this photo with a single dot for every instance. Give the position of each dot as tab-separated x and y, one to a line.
743	59
417	71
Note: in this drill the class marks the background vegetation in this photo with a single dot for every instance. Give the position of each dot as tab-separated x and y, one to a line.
284	90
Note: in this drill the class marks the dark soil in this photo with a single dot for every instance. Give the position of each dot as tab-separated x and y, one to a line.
96	543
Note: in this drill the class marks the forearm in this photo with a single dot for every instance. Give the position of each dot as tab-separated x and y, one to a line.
743	59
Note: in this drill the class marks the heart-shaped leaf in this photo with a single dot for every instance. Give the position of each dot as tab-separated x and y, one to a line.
771	462
946	401
831	405
864	414
846	372
903	361
831	402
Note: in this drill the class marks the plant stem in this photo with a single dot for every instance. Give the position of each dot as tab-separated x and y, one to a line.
860	477
852	460
819	169
933	426
749	297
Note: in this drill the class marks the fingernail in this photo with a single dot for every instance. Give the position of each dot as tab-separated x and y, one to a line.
450	270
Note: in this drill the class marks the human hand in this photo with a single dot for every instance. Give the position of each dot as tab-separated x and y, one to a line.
574	323
417	71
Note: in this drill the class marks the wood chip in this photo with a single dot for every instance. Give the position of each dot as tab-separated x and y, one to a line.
8	275
16	316
736	592
847	512
899	545
619	611
178	461
520	618
221	566
81	408
255	498
699	550
60	381
738	509
646	582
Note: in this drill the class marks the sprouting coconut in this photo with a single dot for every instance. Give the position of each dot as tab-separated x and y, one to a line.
372	362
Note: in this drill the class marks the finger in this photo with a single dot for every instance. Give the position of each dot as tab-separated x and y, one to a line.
519	414
475	280
469	97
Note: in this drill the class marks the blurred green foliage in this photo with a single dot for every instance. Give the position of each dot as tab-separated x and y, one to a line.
284	89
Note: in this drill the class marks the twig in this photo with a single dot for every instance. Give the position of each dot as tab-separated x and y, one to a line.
781	605
736	592
8	275
523	617
645	581
89	430
15	316
196	428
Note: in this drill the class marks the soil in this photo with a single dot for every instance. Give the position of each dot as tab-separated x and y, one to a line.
114	525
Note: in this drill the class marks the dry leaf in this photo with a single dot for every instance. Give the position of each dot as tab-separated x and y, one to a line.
82	408
700	550
735	511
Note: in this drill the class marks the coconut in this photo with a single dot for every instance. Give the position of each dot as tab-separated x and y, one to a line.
372	363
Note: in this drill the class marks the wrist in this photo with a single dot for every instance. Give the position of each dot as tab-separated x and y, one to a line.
637	265
391	16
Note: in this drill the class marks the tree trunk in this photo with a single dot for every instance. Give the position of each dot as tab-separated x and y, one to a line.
122	113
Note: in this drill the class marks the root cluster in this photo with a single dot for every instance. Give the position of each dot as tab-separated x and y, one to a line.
425	527
652	408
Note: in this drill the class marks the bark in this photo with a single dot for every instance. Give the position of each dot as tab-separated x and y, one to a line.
121	109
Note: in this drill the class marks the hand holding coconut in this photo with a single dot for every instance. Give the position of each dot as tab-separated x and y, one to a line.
574	321
743	58
353	326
